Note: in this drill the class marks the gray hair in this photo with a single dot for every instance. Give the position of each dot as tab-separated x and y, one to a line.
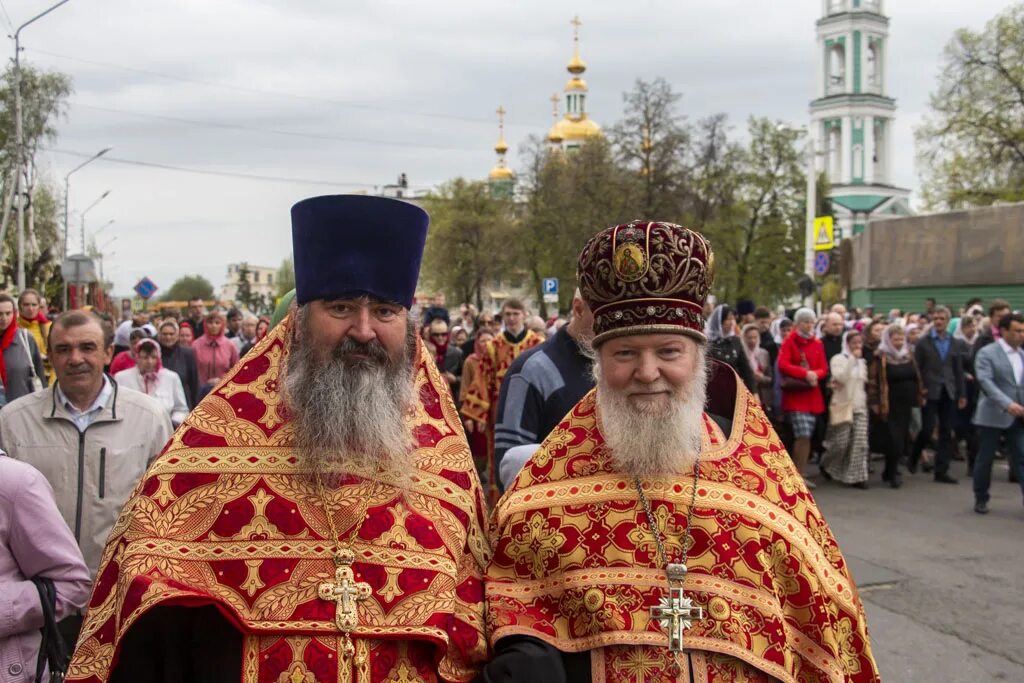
804	314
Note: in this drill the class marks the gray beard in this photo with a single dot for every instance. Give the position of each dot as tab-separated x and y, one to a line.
648	443
349	414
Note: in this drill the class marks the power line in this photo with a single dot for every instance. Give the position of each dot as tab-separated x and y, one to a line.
274	93
10	24
213	172
237	126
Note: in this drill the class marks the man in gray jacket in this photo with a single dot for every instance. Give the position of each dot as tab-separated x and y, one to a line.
91	439
999	368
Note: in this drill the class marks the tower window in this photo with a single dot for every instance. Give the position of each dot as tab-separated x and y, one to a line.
836	67
872	65
835	160
878	153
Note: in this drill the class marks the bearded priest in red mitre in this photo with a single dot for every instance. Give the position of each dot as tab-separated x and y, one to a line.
661	532
317	518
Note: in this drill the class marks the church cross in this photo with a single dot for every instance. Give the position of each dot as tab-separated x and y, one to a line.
501	118
576	23
676	613
346	592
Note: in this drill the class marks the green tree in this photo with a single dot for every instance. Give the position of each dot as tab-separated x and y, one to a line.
653	141
188	287
468	242
758	238
44	101
244	294
285	277
569	198
971	145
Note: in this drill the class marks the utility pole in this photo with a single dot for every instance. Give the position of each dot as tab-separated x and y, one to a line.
812	208
19	138
67	192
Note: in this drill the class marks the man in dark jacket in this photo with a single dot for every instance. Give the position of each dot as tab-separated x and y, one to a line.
541	386
940	360
180	360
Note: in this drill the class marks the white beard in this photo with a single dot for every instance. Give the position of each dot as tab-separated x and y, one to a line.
646	441
349	415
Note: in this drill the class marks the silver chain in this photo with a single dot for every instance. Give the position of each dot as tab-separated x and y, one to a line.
687	537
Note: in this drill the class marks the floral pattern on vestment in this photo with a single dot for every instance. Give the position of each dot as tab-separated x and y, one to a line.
575	562
225	517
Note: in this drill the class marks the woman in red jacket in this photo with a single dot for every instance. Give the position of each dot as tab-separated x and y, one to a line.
802	367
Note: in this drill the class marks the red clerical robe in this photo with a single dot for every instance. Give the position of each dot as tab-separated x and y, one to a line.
224	521
575	563
480	399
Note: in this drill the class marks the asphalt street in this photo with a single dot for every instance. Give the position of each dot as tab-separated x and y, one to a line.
942	585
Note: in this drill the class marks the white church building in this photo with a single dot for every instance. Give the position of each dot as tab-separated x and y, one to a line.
852	116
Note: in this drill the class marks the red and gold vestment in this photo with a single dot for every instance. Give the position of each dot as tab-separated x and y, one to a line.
225	517
480	399
575	562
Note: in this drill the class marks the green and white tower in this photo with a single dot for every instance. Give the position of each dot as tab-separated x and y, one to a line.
852	117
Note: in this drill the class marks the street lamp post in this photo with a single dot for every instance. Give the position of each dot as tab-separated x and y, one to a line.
100	250
100	199
102	228
19	137
67	188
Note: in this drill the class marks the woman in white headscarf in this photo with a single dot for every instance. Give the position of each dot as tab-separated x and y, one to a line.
894	391
724	345
846	441
760	364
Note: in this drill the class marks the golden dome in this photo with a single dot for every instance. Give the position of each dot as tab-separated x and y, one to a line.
501	172
576	65
576	84
555	134
571	130
501	147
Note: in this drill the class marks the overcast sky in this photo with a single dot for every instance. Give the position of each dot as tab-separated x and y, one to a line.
347	95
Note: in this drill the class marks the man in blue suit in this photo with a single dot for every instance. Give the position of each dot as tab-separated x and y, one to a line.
999	368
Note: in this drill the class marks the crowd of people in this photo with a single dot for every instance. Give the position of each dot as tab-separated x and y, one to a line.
90	403
843	389
904	387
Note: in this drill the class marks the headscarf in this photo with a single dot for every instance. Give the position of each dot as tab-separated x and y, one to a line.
6	341
886	347
801	315
713	327
776	328
752	352
846	342
186	324
149	379
958	333
478	345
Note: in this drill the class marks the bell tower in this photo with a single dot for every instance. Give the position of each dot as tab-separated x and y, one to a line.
852	116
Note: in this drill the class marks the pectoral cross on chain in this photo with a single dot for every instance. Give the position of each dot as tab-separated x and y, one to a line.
346	592
676	613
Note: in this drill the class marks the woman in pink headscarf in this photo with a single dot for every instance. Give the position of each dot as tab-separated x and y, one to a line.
150	377
215	353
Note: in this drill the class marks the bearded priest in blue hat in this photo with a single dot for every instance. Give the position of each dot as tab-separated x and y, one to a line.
318	516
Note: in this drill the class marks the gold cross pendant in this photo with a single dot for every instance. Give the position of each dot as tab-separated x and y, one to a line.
346	592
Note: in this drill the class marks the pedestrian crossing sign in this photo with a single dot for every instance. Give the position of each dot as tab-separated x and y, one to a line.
823	234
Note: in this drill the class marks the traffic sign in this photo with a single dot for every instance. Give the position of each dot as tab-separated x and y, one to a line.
550	285
145	288
823	234
821	263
